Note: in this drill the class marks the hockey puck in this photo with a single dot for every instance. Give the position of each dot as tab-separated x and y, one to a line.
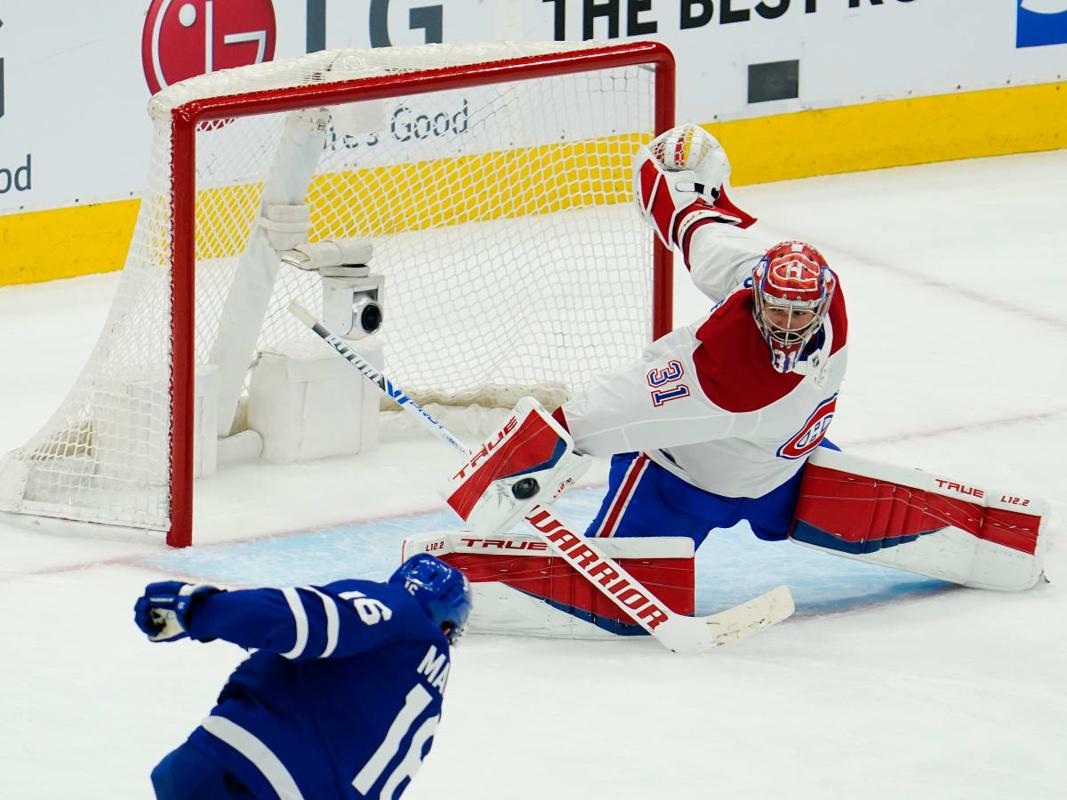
525	489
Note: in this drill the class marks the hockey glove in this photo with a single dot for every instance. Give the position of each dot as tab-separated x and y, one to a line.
681	170
530	460
163	611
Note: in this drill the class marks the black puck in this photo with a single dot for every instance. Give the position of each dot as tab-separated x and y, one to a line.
525	489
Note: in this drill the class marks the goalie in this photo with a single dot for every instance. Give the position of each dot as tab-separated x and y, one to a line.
714	423
717	421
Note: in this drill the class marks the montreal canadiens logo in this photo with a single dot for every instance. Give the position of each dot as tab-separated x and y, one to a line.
808	437
184	38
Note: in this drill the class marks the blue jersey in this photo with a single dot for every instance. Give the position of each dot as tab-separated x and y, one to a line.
340	700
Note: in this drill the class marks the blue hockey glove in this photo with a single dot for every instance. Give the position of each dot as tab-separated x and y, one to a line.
162	612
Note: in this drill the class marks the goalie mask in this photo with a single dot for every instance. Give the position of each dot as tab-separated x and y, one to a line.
442	591
791	290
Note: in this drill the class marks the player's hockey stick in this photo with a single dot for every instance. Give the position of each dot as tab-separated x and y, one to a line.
677	632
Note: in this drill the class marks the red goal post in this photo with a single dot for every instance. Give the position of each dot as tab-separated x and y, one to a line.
209	224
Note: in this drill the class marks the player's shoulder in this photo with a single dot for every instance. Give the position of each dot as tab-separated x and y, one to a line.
350	586
370	599
731	359
348	590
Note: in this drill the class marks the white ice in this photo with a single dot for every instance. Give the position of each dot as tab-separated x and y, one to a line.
880	687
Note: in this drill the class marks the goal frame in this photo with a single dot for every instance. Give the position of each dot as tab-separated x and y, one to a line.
187	117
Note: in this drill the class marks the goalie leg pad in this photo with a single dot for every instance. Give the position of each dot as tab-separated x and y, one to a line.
522	588
925	523
529	461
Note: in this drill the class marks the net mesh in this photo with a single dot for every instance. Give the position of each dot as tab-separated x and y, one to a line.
500	221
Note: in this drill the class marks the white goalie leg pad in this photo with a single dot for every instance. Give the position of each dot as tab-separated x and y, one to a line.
927	523
528	461
521	588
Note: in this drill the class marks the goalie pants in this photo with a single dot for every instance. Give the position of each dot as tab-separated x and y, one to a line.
644	499
188	774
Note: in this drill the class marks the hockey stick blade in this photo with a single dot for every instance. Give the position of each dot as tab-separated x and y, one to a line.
699	634
674	631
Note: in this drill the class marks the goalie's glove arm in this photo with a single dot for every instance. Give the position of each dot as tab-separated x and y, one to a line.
679	185
720	258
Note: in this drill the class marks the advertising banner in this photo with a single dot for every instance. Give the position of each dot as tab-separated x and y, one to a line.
75	77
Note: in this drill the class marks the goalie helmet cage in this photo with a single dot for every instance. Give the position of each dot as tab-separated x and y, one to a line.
493	181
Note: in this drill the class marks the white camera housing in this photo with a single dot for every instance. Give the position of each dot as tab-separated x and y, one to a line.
352	295
351	300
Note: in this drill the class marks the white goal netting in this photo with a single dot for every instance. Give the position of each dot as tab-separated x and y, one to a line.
501	221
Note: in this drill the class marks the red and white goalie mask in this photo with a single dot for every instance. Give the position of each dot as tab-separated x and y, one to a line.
791	290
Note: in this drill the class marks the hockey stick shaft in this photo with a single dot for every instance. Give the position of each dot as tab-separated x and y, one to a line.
611	578
675	631
374	376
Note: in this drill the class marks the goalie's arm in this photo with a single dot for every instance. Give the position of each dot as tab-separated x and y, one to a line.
656	404
721	257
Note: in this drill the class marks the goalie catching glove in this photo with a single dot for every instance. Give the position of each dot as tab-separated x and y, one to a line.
529	461
679	179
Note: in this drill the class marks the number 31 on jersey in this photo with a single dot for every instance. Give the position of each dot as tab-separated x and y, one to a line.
664	383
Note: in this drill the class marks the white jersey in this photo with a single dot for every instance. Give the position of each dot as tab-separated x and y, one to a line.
704	401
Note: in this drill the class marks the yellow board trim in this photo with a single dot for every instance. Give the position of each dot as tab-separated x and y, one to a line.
453	191
448	191
66	242
896	133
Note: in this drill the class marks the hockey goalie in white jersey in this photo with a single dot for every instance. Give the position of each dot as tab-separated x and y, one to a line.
713	424
717	420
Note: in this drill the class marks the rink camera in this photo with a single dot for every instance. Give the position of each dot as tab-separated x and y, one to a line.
351	293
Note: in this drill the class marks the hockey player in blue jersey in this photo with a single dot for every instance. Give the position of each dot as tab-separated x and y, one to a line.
342	696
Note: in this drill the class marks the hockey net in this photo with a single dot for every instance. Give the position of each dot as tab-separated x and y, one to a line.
494	184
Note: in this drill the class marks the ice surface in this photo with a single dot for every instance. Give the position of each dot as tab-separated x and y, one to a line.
883	685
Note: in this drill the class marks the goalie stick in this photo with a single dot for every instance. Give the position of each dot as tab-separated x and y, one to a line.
676	632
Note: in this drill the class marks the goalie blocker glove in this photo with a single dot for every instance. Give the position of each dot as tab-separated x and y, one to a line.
679	179
529	461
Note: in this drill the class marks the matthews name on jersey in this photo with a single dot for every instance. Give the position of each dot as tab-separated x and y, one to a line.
348	711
